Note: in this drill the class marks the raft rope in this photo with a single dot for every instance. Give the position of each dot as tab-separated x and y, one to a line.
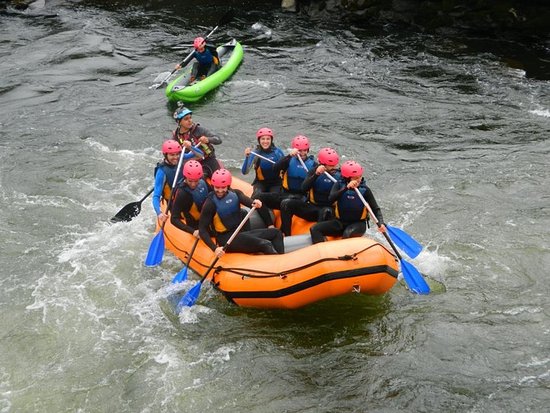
246	272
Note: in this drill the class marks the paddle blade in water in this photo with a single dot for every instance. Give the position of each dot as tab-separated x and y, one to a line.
404	241
156	250
180	276
128	212
414	279
190	297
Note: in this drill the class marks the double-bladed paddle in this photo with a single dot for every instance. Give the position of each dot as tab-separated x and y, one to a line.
191	296
131	210
226	18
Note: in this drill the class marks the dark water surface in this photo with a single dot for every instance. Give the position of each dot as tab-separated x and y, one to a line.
456	144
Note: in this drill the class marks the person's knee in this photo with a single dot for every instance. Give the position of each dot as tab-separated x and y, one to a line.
267	247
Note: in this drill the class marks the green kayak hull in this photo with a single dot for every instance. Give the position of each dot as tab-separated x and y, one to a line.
178	90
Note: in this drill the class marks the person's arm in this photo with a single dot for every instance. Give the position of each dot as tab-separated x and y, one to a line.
207	215
160	179
309	180
336	191
212	138
282	164
248	161
243	199
181	205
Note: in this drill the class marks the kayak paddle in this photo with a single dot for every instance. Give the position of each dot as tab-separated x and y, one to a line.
226	18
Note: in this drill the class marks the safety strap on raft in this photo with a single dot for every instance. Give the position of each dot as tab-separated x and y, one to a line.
245	272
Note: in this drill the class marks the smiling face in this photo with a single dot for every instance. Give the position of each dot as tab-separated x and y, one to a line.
265	141
172	158
220	191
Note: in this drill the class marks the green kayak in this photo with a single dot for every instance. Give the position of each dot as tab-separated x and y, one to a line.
230	54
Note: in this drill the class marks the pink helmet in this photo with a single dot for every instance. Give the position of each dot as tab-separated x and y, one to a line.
198	42
221	178
171	146
300	142
192	169
328	156
264	132
350	169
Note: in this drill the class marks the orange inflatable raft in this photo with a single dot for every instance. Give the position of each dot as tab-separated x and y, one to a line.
305	274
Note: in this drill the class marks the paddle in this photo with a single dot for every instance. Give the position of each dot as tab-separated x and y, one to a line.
191	296
156	249
226	18
407	243
413	278
131	210
182	275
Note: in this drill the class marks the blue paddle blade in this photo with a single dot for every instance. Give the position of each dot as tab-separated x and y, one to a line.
190	297
404	241
156	250
180	276
414	279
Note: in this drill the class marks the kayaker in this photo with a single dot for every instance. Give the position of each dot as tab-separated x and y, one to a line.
317	185
190	196
292	173
165	171
222	212
190	134
207	60
266	179
351	215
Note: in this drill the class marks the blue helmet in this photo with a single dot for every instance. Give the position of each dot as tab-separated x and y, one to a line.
181	113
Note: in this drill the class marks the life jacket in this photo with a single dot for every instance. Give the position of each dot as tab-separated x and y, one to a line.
349	207
319	192
228	212
205	58
170	173
264	169
295	174
190	135
199	195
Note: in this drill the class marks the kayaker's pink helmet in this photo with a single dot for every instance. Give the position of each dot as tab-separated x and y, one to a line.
171	146
198	42
350	169
192	170
264	132
328	156
301	143
221	178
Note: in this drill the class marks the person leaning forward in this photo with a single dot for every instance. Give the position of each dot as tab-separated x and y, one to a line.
222	212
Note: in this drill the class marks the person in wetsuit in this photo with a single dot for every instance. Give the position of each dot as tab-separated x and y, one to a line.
351	215
292	174
192	136
267	179
189	198
317	185
221	212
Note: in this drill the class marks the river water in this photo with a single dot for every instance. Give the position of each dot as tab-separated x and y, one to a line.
456	146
